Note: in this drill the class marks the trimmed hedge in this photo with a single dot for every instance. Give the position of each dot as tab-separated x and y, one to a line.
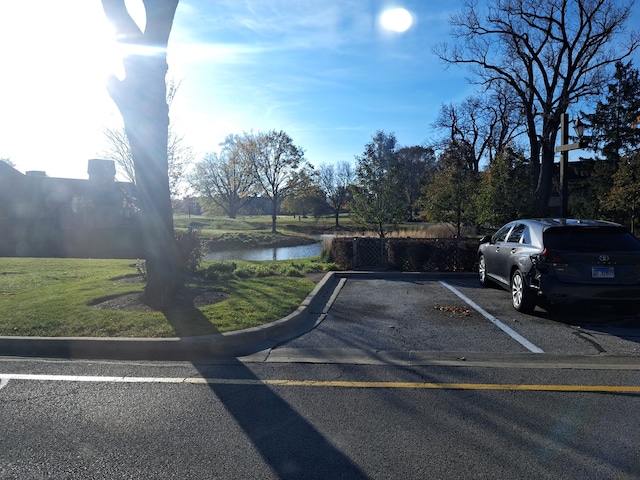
406	254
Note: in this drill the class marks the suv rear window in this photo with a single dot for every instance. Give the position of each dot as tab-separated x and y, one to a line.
591	239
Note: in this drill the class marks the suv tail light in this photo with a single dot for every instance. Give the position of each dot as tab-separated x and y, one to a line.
550	256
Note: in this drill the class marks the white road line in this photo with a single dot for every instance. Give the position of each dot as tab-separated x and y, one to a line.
85	378
506	329
3	382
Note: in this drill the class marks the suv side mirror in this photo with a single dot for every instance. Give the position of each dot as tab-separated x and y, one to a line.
485	239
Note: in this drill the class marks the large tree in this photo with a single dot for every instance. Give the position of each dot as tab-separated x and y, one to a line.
417	165
504	192
308	198
625	193
489	123
224	179
179	154
614	124
600	187
551	53
334	181
141	97
275	164
449	197
378	201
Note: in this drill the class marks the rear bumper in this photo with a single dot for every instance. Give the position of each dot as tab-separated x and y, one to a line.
555	291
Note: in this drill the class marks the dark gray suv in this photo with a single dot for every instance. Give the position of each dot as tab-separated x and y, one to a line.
551	262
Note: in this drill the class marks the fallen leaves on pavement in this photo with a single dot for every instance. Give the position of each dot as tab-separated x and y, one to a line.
462	312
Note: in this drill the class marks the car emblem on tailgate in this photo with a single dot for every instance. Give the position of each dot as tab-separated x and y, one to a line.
603	258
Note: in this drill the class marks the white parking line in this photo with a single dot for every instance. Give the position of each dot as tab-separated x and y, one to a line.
506	329
96	379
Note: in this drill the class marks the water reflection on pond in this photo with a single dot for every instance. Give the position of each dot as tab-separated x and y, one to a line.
261	254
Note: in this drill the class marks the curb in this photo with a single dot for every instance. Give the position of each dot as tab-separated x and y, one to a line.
307	316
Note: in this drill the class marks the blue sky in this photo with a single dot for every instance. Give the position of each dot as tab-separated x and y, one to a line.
324	71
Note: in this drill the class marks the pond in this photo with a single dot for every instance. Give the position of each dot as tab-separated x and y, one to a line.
270	253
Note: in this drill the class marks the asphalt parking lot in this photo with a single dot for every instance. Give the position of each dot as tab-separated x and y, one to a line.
373	312
454	313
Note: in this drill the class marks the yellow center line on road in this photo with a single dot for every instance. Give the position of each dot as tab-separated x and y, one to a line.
422	385
5	378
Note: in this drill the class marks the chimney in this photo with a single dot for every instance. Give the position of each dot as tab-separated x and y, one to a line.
102	171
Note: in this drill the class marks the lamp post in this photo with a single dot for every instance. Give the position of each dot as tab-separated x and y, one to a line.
564	148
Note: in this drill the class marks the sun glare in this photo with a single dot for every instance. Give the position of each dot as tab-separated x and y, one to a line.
396	19
56	67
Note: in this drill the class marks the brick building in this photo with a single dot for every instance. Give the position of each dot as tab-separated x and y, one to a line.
43	216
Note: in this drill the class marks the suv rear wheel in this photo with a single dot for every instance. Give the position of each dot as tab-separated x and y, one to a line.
521	295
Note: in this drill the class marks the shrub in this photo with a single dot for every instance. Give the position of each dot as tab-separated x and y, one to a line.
266	270
409	254
314	267
342	252
222	267
220	270
292	271
325	256
141	267
244	272
190	252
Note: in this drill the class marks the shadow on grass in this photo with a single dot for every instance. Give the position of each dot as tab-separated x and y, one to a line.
188	321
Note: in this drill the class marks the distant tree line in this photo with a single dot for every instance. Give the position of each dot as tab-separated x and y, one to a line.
477	174
494	160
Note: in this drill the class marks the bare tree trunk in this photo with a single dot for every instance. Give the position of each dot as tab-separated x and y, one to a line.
274	214
141	99
545	176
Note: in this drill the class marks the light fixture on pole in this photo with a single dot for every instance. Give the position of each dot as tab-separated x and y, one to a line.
578	127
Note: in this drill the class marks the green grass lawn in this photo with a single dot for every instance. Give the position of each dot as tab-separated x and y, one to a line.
285	224
55	297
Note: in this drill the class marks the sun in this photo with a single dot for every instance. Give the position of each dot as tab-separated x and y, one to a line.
396	19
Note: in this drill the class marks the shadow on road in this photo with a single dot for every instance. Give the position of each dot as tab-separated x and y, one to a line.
290	445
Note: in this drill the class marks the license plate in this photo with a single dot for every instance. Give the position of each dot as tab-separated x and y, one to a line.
602	272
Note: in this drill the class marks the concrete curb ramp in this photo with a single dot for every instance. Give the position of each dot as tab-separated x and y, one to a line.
307	316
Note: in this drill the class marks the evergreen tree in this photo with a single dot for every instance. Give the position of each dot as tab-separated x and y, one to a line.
614	123
590	182
614	133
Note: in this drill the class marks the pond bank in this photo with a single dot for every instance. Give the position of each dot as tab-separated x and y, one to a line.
247	240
